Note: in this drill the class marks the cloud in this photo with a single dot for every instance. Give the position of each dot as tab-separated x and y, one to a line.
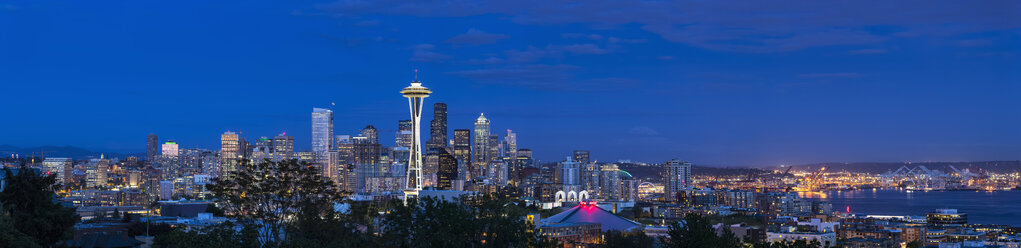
558	77
974	43
533	54
869	51
528	76
366	23
425	53
476	37
831	75
614	40
642	131
741	26
584	49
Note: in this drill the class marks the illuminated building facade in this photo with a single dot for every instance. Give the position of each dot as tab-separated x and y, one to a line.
322	132
62	167
283	147
170	149
678	178
230	148
480	146
438	127
151	151
462	145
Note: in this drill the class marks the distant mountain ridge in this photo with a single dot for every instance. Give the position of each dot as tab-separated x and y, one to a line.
882	167
62	152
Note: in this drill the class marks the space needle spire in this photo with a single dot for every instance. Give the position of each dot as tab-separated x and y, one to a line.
416	94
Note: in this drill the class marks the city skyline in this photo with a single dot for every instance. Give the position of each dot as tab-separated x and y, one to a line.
787	92
545	124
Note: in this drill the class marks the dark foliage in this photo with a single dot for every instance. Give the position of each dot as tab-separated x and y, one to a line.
698	232
613	239
30	204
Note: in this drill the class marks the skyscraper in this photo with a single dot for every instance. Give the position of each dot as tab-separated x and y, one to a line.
462	145
230	148
283	147
170	149
322	132
371	134
493	149
480	146
151	150
416	94
96	172
263	149
345	149
447	172
512	143
62	167
678	178
511	148
366	153
438	127
609	182
401	152
403	138
582	156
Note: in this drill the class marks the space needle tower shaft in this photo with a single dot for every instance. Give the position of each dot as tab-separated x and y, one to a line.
416	94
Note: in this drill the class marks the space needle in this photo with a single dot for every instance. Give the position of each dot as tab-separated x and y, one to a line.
415	93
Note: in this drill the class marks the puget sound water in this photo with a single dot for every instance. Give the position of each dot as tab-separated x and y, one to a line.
983	207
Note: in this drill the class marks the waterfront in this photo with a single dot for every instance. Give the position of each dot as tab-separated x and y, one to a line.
983	207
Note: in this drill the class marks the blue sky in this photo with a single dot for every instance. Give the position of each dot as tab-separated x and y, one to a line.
712	82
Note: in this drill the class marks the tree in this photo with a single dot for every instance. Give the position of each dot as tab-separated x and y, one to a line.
153	229
271	193
29	201
613	239
480	220
223	235
10	236
915	244
330	229
697	232
790	244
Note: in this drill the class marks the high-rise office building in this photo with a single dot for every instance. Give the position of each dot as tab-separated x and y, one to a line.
96	173
416	94
345	149
151	149
447	172
371	134
322	132
462	145
244	148
511	160
263	149
480	146
511	139
678	178
609	182
493	149
62	167
283	147
230	149
170	149
438	127
402	151
570	173
582	156
366	153
403	138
